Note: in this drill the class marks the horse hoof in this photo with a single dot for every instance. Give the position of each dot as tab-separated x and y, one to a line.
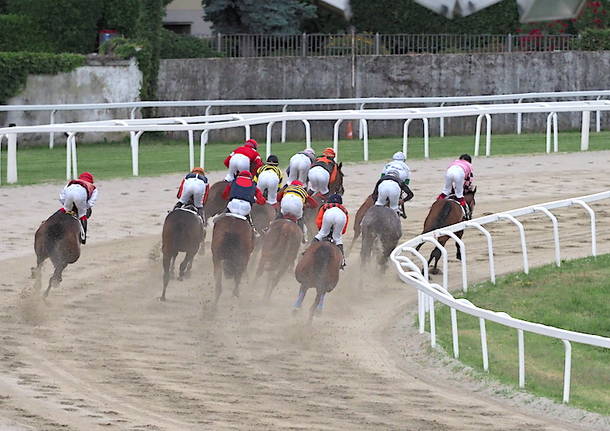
162	299
435	271
180	278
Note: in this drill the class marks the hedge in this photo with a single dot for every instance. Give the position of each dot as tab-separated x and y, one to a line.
20	33
593	39
16	66
173	45
68	25
120	15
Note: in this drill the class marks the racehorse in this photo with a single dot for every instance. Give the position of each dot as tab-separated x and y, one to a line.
57	238
279	252
232	245
319	269
443	213
183	231
368	203
380	223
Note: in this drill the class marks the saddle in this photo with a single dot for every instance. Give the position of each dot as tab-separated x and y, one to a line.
466	211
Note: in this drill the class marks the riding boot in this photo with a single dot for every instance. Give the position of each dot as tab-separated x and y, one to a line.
178	205
441	196
303	229
256	234
343	263
200	213
83	238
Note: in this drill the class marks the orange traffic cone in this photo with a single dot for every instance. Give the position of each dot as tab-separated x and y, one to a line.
349	133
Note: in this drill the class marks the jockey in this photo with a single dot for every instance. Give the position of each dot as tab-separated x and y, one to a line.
333	215
268	178
82	194
458	176
323	172
299	165
292	199
195	187
388	190
241	194
244	158
398	164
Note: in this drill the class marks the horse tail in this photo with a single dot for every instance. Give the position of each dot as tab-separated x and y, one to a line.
230	252
321	259
441	218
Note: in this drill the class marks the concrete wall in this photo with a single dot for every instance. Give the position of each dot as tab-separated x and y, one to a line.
385	76
98	82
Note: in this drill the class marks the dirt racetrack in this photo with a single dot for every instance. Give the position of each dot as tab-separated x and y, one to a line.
104	353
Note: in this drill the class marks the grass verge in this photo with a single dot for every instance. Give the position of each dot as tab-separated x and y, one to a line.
160	155
573	297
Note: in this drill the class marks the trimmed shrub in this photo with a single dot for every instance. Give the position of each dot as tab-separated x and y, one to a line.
120	15
20	33
173	45
593	39
16	66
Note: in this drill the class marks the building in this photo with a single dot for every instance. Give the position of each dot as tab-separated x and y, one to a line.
186	17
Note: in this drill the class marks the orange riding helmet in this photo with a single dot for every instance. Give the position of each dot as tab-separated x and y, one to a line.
198	170
329	152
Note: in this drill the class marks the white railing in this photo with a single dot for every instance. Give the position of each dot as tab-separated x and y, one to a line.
428	292
207	105
216	122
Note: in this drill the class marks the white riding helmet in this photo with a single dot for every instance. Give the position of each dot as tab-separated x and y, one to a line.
309	151
399	156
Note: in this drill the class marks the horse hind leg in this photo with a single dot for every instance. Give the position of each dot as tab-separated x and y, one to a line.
218	279
317	305
300	298
55	279
436	255
186	265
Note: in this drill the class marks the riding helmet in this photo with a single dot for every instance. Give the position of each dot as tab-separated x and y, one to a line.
466	157
335	199
297	183
198	170
251	143
329	152
86	176
246	174
399	156
273	160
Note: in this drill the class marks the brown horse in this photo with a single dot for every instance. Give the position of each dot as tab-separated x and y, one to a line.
443	213
319	269
57	238
383	224
183	231
232	245
279	252
368	203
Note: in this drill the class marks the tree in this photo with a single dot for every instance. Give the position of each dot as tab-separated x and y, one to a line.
255	16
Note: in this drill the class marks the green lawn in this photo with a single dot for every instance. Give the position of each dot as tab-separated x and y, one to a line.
160	155
574	297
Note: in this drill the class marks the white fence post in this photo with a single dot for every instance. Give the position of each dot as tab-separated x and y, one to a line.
483	330
360	134
336	137
11	158
551	216
365	142
462	247
269	130
203	141
521	236
134	140
593	229
1	138
52	134
567	370
519	119
584	134
551	119
490	249
441	124
521	344
307	133
284	109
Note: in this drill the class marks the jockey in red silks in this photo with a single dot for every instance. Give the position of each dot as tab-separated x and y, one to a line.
459	177
241	194
244	158
323	172
333	215
194	187
82	194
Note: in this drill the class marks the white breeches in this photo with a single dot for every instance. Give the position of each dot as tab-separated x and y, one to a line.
299	167
237	206
193	188
292	205
318	179
76	195
269	181
237	163
388	191
333	218
454	177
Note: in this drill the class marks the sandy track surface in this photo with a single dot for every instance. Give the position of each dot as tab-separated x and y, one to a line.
104	353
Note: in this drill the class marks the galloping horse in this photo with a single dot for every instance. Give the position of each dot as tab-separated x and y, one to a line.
443	213
183	231
380	223
319	269
368	203
57	238
232	245
279	253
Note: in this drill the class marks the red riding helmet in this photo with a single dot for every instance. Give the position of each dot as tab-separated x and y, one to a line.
251	143
297	183
246	174
86	176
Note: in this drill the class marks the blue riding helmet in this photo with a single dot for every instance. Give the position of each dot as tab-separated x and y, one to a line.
335	199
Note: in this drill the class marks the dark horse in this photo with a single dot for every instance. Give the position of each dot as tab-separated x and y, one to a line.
319	269
368	203
279	253
443	213
383	224
261	215
57	238
232	245
183	231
